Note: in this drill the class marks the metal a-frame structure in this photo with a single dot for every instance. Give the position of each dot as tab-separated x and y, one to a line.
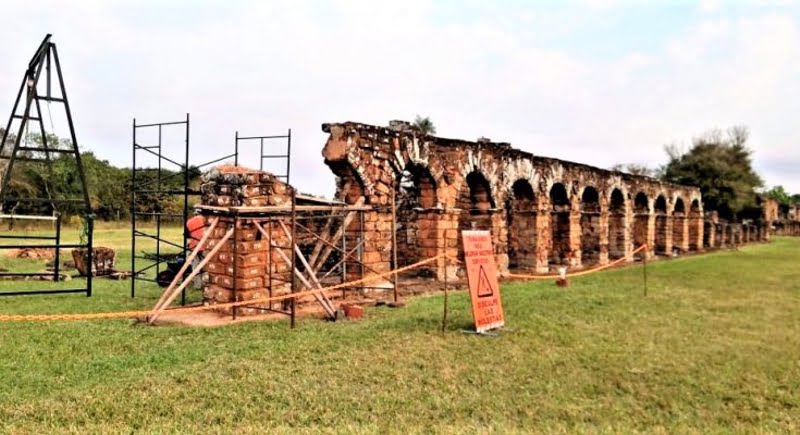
42	71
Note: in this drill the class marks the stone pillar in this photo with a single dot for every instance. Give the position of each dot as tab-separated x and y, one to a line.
377	249
712	234
651	235
500	240
629	224
544	236
575	235
448	243
697	221
670	231
603	223
684	242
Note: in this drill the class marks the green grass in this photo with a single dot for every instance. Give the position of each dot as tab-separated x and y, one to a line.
714	347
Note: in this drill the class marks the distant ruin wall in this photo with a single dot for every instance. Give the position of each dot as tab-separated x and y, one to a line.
541	211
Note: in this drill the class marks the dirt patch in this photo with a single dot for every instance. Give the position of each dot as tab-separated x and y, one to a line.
33	253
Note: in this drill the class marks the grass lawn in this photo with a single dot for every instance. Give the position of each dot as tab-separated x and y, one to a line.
715	346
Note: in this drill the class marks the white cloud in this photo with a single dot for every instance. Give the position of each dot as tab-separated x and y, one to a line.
261	67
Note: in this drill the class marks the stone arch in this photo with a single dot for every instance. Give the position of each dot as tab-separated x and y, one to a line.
476	202
417	187
478	193
695	226
560	252
617	223
350	184
416	205
679	228
522	215
590	225
662	234
641	220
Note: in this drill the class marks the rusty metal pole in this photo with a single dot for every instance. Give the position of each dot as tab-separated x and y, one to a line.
394	242
291	247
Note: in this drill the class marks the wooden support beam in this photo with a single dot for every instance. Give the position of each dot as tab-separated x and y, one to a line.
188	262
317	261
195	271
319	296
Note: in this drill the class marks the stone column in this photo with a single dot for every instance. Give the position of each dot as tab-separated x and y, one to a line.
500	240
651	235
699	224
376	251
447	242
629	224
684	242
670	231
712	234
544	237
575	235
603	223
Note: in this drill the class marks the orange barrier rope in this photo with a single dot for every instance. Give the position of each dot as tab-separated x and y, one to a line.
143	313
371	278
581	273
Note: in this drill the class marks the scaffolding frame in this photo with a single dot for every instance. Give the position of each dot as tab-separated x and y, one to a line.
182	163
337	250
262	156
44	59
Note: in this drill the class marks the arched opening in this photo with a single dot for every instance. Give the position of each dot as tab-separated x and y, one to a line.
559	224
616	225
476	202
678	226
522	226
417	219
660	209
721	234
590	226
695	225
641	217
707	227
476	197
349	186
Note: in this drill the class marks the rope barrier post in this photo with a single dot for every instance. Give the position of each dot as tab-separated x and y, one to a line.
394	243
57	265
644	269
444	311
293	265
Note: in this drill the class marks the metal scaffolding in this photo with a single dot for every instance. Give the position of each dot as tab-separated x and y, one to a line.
45	62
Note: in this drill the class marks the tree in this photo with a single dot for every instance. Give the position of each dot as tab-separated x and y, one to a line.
635	169
425	125
778	193
720	165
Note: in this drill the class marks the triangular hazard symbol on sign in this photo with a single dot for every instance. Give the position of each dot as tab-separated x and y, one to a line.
484	286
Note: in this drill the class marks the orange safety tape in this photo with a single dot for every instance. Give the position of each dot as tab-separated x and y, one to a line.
142	313
581	273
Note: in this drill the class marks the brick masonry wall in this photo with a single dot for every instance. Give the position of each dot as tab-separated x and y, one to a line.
478	184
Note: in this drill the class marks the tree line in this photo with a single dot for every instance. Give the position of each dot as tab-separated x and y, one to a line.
720	164
110	187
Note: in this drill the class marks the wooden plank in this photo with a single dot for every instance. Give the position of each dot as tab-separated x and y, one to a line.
318	260
329	309
284	208
176	292
200	245
312	274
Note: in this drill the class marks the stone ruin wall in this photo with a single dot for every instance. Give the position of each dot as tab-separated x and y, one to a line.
258	268
541	211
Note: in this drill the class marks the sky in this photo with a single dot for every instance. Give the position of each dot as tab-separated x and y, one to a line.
598	82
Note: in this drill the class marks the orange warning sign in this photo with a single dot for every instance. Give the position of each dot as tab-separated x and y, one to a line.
484	291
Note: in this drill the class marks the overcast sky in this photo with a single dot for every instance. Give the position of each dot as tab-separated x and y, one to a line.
599	82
